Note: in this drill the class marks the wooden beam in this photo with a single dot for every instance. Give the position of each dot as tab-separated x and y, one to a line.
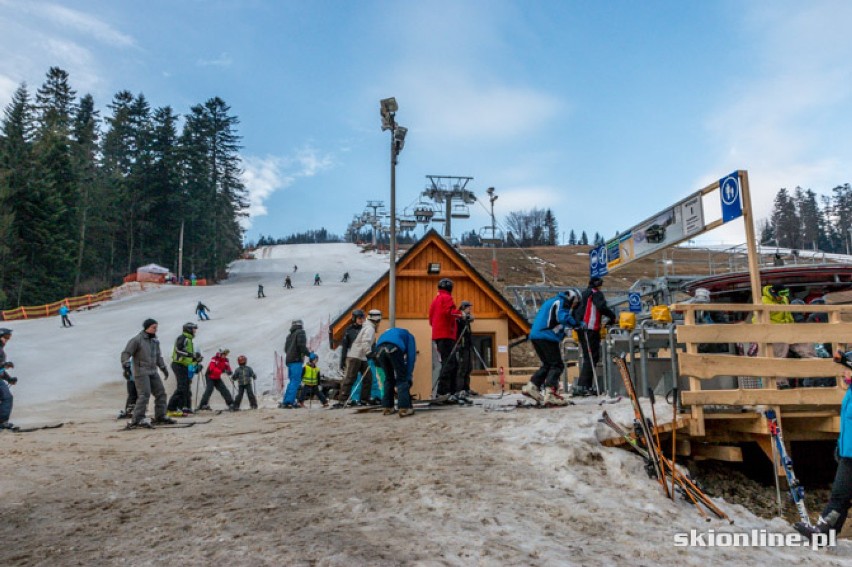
706	366
811	333
682	422
745	307
729	453
791	397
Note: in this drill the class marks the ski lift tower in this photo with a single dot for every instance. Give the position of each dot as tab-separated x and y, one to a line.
446	189
491	235
373	219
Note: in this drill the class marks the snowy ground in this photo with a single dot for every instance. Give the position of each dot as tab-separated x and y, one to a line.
459	486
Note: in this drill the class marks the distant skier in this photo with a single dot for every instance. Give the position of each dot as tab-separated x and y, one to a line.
345	277
396	353
218	366
6	397
317	280
63	312
201	310
144	350
287	283
244	376
295	349
295	269
551	322
311	382
260	291
184	356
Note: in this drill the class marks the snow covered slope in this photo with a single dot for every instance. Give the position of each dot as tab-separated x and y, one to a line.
56	364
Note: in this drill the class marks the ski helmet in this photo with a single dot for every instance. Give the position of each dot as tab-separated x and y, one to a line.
446	283
375	315
4	332
224	351
571	296
358	313
242	359
313	356
465	304
596	282
189	328
296	323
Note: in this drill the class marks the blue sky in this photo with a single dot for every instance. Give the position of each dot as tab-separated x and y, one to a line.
606	112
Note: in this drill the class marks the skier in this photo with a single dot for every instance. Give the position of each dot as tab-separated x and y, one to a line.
132	394
184	355
548	329
464	351
63	312
317	280
144	349
218	365
6	397
287	283
588	313
310	382
244	376
396	353
356	362
201	310
345	277
295	349
295	268
834	514
260	291
443	315
349	335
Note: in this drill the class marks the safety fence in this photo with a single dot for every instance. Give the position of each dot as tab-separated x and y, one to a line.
51	309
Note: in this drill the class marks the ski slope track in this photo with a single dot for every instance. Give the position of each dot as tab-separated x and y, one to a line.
68	366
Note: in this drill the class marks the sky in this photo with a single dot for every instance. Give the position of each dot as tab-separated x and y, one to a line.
605	112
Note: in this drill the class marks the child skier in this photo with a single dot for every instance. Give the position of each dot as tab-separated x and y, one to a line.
63	312
244	376
317	280
288	284
310	382
219	365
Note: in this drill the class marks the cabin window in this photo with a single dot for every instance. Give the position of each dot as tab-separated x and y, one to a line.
484	345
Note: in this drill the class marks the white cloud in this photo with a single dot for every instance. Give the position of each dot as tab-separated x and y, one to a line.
525	198
83	23
223	60
263	176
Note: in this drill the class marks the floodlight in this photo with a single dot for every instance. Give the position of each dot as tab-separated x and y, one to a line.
388	106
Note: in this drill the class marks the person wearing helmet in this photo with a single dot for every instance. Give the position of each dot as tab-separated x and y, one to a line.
317	279
185	363
358	320
218	366
357	365
295	349
6	398
244	376
589	312
464	352
144	350
311	382
443	315
551	322
201	310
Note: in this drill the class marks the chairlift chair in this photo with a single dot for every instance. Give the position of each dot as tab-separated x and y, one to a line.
423	213
407	223
489	235
460	211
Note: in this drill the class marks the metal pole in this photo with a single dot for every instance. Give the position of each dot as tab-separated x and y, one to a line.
180	253
448	231
392	267
493	238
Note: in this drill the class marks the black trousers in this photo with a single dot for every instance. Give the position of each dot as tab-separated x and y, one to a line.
551	363
182	396
245	389
132	396
841	493
449	366
465	363
308	392
590	342
221	387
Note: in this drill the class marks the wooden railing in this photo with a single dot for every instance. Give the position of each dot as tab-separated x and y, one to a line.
51	309
758	330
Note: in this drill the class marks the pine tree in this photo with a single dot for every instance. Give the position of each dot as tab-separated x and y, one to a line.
572	238
84	155
584	239
551	228
785	221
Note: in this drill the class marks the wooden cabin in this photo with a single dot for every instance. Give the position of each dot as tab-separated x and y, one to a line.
496	327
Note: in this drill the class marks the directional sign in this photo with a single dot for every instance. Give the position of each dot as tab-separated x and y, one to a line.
731	197
634	302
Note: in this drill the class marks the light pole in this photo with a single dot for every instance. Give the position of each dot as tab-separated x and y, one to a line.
492	197
388	108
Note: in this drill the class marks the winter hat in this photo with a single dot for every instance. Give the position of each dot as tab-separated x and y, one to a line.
147	323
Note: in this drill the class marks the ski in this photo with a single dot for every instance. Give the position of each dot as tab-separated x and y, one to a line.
797	491
179	425
37	427
606	419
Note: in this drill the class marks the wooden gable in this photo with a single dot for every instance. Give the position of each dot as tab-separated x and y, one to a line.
416	288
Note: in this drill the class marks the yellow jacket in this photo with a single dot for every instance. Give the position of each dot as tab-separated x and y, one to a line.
310	376
776	316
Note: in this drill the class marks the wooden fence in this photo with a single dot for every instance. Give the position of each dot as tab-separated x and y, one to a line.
51	309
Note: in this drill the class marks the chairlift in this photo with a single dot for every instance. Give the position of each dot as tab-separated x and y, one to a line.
423	213
460	211
439	216
490	235
407	223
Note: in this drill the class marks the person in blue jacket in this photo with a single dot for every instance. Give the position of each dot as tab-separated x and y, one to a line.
396	353
834	514
63	312
548	329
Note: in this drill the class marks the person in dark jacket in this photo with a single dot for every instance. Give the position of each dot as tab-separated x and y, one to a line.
443	315
295	349
201	310
396	354
464	351
185	360
144	350
288	284
260	293
834	514
218	366
244	376
357	364
589	312
349	335
551	322
6	398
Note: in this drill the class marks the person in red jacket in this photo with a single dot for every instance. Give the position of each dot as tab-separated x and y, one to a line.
219	365
443	315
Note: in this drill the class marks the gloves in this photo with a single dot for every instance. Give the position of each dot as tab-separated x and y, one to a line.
196	356
127	373
9	365
165	373
11	380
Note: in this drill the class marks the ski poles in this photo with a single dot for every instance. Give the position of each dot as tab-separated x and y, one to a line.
585	341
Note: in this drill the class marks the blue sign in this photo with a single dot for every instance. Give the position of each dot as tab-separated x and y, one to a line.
597	262
731	196
634	302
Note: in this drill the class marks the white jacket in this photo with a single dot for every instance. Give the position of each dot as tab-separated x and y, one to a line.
363	342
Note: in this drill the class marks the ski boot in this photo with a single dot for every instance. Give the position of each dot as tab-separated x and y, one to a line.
823	525
554	398
187	412
205	407
530	390
388	411
581	392
7	425
164	421
405	412
144	423
174	413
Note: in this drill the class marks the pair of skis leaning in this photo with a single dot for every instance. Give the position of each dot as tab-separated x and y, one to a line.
646	442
